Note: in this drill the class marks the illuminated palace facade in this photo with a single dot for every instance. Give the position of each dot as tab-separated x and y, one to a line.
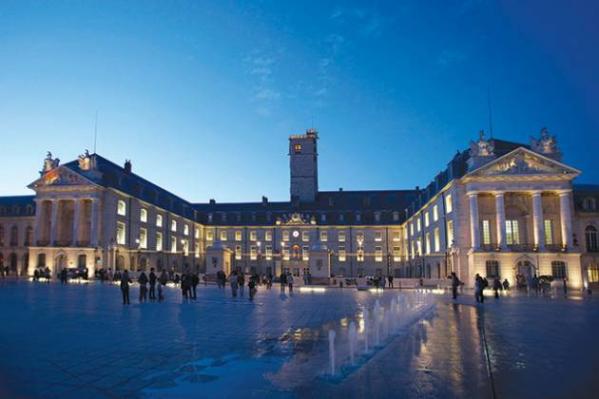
499	208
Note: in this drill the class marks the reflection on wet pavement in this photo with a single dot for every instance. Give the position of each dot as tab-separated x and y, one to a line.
79	341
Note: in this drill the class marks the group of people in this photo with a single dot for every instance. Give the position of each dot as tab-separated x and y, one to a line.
480	283
237	282
4	271
188	282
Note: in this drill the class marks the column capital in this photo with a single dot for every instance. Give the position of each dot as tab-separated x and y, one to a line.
498	193
563	193
472	194
536	193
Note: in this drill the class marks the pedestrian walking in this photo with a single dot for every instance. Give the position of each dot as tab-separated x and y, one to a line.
195	280
478	289
161	284
565	285
233	280
455	283
241	282
506	284
290	282
143	286
152	279
63	275
497	286
390	281
125	281
283	281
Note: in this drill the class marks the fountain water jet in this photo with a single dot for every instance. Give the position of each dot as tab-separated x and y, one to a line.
332	350
353	337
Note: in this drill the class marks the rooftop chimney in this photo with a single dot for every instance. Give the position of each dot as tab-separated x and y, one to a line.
212	201
264	200
127	166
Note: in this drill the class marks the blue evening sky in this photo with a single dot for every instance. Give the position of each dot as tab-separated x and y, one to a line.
202	95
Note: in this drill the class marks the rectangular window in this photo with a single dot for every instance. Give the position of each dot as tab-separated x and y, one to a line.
173	244
378	236
159	220
342	254
397	235
426	219
185	247
324	236
435	213
285	253
120	233
223	235
512	232
396	254
492	269
143	215
268	252
158	241
305	253
209	235
413	249
121	208
437	239
360	255
377	217
412	228
268	235
449	233
486	232
238	252
285	235
186	229
238	235
378	254
305	236
253	236
196	233
558	270
428	243
173	225
448	204
548	232
418	226
396	216
253	252
143	238
341	236
419	246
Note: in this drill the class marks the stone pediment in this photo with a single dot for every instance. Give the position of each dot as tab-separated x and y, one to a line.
296	219
526	164
60	176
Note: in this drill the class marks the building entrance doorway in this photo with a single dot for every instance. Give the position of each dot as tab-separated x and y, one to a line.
524	273
60	263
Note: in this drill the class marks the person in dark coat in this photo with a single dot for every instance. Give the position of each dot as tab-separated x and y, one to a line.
195	280
241	282
153	279
63	276
283	281
506	284
479	286
125	281
455	283
252	286
497	286
161	284
143	288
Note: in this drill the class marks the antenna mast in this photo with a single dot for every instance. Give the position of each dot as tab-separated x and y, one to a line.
490	111
96	132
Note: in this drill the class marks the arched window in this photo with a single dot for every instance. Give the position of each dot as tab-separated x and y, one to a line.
14	236
143	215
558	269
28	235
590	234
41	260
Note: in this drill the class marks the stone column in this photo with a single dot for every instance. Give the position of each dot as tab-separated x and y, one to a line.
565	218
76	221
538	224
54	222
474	222
94	225
500	219
37	227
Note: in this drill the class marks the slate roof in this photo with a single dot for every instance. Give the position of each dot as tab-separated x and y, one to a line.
18	205
115	176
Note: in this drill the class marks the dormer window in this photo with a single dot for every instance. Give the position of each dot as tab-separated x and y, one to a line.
589	204
297	148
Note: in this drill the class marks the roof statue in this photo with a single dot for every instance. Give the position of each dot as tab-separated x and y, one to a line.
84	161
50	163
482	147
546	144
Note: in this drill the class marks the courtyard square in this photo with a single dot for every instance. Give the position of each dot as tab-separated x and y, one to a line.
78	340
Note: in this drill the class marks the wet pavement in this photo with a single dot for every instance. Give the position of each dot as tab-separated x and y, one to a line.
79	341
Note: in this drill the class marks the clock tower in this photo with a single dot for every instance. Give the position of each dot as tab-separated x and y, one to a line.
303	163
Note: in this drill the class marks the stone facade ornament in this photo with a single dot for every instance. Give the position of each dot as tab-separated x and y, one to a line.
546	145
50	163
481	152
85	161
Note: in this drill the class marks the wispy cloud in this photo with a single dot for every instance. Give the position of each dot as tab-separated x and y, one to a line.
264	93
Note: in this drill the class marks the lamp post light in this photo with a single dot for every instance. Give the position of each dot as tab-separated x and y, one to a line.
258	255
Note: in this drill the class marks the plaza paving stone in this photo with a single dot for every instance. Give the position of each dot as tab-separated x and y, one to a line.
79	341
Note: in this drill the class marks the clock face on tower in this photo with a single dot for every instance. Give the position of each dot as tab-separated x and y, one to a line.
295	233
